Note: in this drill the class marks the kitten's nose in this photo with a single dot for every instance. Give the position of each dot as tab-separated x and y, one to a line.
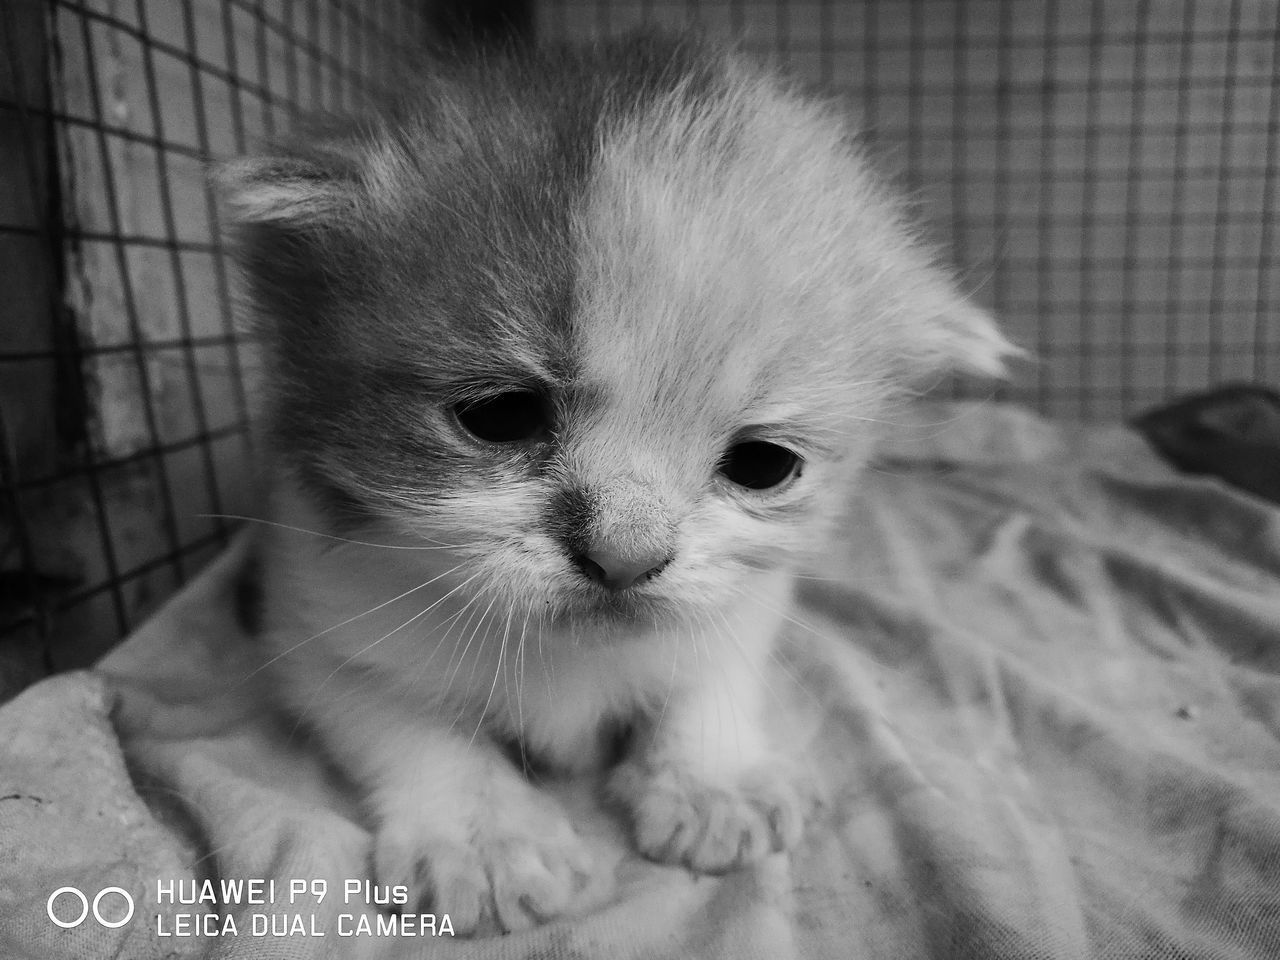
615	570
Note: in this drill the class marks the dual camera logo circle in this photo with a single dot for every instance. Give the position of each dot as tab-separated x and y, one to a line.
77	894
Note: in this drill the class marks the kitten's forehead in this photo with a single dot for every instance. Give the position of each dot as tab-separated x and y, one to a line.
708	293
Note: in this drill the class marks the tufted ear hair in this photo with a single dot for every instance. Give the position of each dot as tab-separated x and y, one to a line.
285	193
964	338
291	223
945	332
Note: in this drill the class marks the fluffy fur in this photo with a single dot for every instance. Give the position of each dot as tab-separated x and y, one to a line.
675	252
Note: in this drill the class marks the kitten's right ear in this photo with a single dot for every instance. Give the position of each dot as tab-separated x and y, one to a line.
287	193
286	221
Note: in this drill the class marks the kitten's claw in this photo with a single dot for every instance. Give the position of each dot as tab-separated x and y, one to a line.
518	868
677	818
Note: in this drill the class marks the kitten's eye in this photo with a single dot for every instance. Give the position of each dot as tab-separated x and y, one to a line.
759	465
505	417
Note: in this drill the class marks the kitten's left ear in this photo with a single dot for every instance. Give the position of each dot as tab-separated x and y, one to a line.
964	338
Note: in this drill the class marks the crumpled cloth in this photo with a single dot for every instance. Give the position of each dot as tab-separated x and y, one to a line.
1039	678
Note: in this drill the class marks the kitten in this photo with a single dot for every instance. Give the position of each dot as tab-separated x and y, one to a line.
593	342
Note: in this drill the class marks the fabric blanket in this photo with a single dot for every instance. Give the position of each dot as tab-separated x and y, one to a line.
1039	679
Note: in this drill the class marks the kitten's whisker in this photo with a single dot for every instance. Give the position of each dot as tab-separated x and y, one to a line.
499	668
436	544
671	681
808	576
732	637
475	666
796	678
365	649
284	653
417	616
462	658
447	628
466	631
752	598
520	660
709	629
484	643
548	666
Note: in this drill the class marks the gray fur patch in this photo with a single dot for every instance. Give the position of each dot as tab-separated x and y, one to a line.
399	262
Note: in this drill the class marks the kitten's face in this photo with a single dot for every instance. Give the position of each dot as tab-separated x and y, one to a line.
616	327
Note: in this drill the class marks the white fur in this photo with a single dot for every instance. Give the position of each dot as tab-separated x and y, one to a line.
406	638
408	696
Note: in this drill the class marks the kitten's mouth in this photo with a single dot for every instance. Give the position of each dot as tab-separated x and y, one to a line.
600	607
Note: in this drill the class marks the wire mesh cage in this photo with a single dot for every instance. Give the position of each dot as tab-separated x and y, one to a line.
124	380
1106	175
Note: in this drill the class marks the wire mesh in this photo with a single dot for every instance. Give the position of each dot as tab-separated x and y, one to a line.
124	379
1106	173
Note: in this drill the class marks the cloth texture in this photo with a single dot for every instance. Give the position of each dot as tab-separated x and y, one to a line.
1038	679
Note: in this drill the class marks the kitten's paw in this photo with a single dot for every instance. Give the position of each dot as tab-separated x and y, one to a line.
511	867
678	818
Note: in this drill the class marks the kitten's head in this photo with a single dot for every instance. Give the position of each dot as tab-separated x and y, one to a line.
616	322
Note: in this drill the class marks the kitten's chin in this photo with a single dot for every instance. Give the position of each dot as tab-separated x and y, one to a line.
603	617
